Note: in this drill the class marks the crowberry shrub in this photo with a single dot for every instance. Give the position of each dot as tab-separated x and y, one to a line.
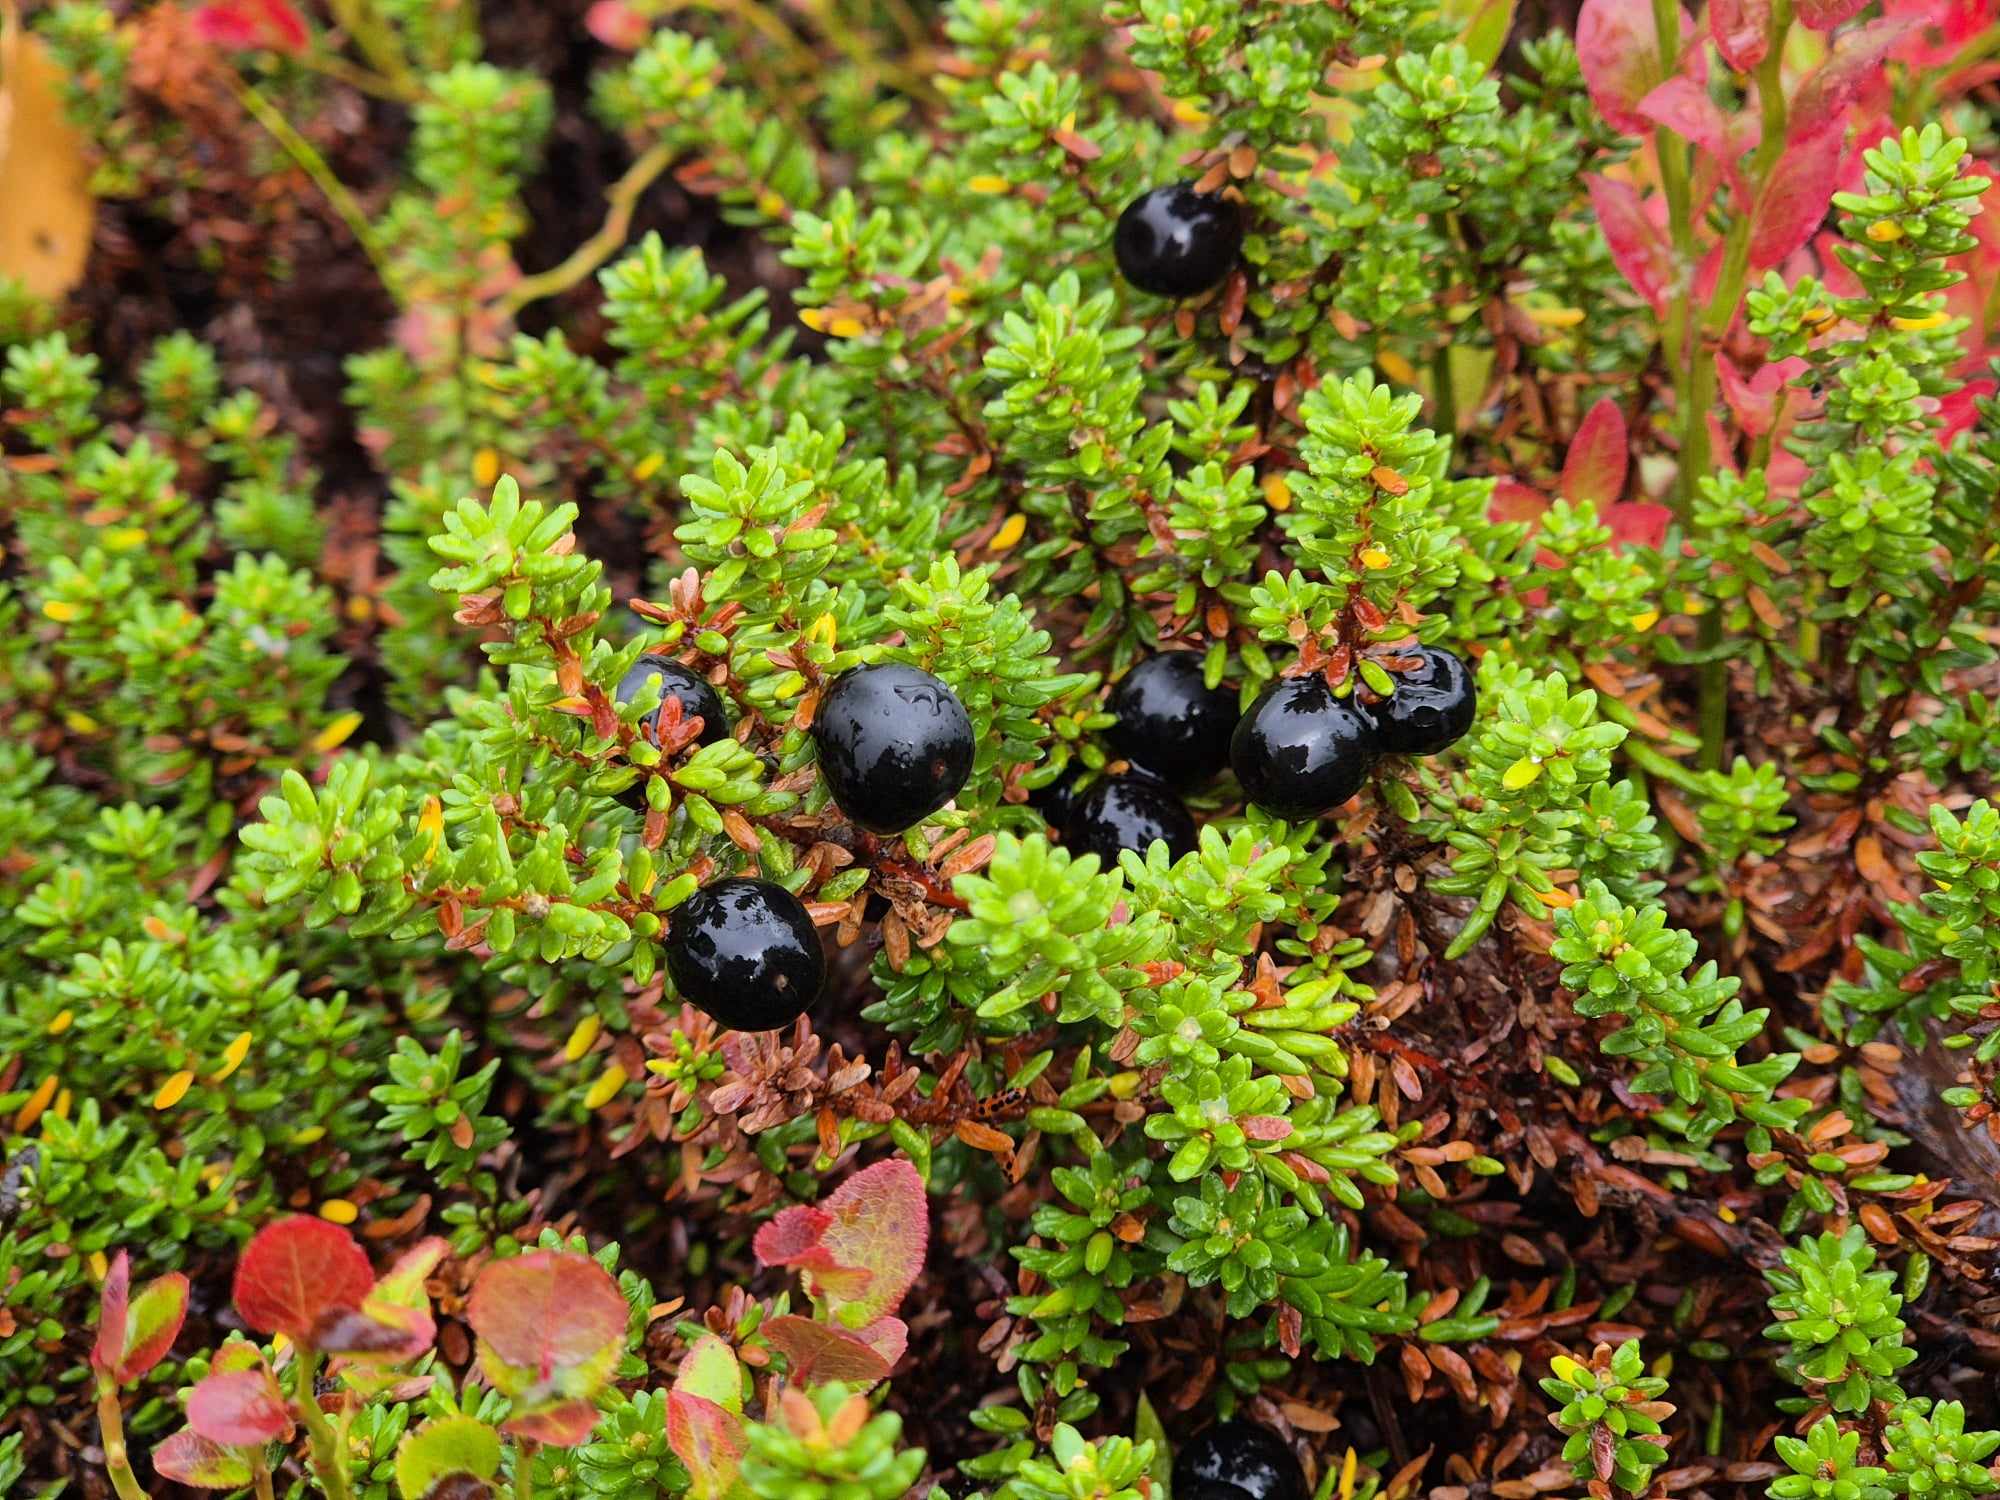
1086	751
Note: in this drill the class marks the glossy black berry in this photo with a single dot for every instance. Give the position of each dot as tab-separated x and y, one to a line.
1126	812
1171	724
1253	1459
894	743
1431	707
745	951
693	691
1300	750
1052	801
1175	242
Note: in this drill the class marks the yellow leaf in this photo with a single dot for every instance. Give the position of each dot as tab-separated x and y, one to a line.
28	1113
1189	113
174	1089
1646	619
1524	772
310	1135
1010	533
1918	325
1347	1468
337	731
99	1266
770	204
846	326
648	466
814	318
124	538
61	1022
1883	231
1277	494
62	611
44	171
339	1211
989	184
486	467
602	1092
232	1056
581	1036
1374	559
1396	367
1556	317
60	1109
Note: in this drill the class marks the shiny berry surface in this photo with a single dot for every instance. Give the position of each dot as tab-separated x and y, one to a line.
1171	724
1175	242
895	745
1431	708
1300	750
745	951
694	693
1127	812
1253	1459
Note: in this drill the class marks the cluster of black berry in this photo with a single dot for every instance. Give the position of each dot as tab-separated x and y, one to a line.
1238	1461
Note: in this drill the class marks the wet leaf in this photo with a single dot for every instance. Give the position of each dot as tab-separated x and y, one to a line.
294	1273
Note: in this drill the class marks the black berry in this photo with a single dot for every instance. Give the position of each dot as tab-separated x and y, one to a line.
745	951
1431	707
1052	801
1300	750
1171	724
1127	812
689	688
1175	242
895	745
1253	1459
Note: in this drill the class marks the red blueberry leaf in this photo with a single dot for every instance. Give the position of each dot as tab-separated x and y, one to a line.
1594	468
189	1458
382	1331
888	1337
710	1370
818	1352
1819	105
1638	249
135	1333
860	1250
252	25
548	1313
1638	523
559	1424
1758	400
293	1273
239	1408
1618	48
1684	107
1824	15
1265	1127
1515	501
1742	31
707	1440
1794	197
617	25
450	1447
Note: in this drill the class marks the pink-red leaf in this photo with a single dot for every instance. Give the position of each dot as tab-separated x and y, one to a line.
1759	400
1820	104
293	1273
707	1440
1638	249
135	1333
1638	523
252	25
818	1352
239	1408
547	1311
379	1331
1824	15
1515	501
861	1249
1794	197
189	1458
1684	107
1742	31
1618	48
1594	468
560	1424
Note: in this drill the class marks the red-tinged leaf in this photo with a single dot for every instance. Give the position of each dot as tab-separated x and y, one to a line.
461	1446
707	1440
1637	523
1594	468
888	1337
1618	48
617	25
294	1272
239	1408
1957	412
1794	198
1759	400
1820	104
559	1424
135	1333
817	1352
189	1458
859	1250
1515	501
1684	107
1824	15
382	1332
547	1312
1742	31
403	1283
252	25
711	1371
1265	1127
1638	249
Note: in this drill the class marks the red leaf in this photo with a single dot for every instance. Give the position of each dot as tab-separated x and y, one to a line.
294	1272
1820	103
1638	248
1824	15
562	1424
1684	107
239	1408
1594	468
546	1311
1515	501
818	1352
1618	48
1265	1127
135	1333
1742	31
189	1458
1794	198
860	1250
380	1331
252	25
708	1440
1637	523
617	25
1757	401
888	1337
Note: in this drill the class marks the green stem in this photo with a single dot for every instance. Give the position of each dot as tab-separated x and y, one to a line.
260	1475
111	1425
327	1458
594	252
377	40
306	155
524	1470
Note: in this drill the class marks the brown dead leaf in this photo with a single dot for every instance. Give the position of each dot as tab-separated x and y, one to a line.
44	174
